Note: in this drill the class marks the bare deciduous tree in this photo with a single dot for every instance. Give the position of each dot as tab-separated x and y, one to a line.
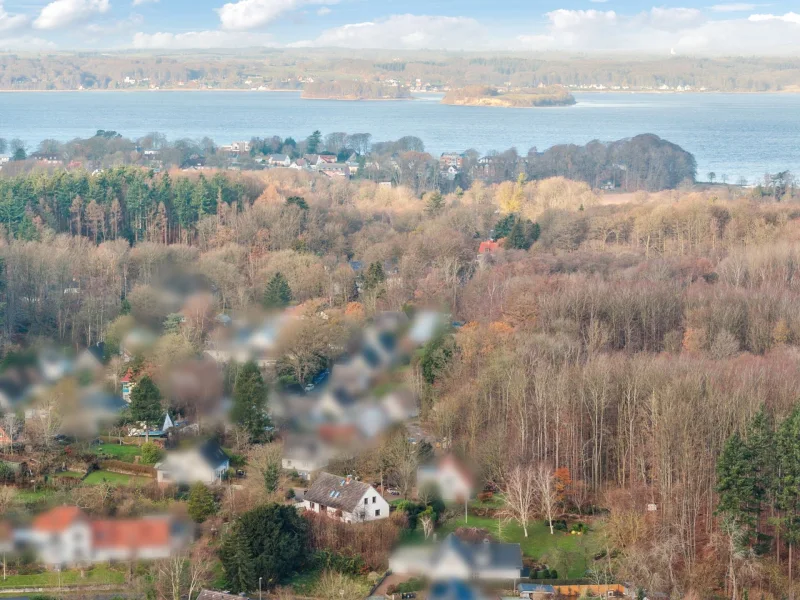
520	496
546	493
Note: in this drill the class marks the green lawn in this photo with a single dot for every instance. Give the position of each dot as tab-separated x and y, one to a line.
24	496
96	477
98	575
117	451
570	554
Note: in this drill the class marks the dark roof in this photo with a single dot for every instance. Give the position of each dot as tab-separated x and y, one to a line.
343	397
500	555
213	453
334	491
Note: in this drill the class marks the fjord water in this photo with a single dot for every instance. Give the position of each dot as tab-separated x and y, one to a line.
736	135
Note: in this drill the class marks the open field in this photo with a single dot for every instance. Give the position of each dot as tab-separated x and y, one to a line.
114	478
118	452
98	575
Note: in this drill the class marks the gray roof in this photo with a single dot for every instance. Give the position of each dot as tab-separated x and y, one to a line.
501	555
213	454
334	491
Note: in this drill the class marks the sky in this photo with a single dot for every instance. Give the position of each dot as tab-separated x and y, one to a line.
683	27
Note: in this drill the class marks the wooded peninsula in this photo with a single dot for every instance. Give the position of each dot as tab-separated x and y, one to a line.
476	95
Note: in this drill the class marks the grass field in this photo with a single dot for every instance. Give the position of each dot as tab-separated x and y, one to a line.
98	575
24	496
96	477
570	554
117	451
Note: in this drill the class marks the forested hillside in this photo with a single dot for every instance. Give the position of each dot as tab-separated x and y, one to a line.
623	342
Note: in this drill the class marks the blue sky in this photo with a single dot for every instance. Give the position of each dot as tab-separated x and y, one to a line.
607	26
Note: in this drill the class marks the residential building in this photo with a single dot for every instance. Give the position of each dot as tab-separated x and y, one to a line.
450	477
451	159
128	384
345	499
279	160
456	559
304	454
66	536
240	147
206	463
335	170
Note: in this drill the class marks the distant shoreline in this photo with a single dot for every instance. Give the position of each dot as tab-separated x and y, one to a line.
793	91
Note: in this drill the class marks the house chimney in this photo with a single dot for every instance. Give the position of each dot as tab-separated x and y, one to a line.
349	478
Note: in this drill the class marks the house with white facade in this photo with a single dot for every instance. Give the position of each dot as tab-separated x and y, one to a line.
457	559
207	463
66	536
345	499
452	479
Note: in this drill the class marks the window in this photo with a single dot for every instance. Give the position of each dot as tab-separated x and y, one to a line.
366	500
374	499
377	512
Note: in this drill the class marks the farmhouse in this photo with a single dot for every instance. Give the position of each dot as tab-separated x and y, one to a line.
345	499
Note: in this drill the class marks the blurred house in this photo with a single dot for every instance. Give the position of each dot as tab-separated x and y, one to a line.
455	559
66	536
451	478
304	454
206	463
345	499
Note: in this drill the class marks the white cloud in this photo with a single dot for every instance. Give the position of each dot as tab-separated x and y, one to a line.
404	32
787	18
323	11
598	1
140	2
199	39
244	15
25	43
733	7
61	13
659	30
9	22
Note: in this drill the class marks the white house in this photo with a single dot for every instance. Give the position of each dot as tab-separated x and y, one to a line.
455	559
304	455
453	480
207	463
345	499
279	160
66	536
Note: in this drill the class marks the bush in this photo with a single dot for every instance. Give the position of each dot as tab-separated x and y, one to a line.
151	453
289	494
560	525
484	496
341	563
201	503
580	527
553	574
415	584
543	574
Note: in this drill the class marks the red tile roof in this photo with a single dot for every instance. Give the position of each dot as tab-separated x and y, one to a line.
488	246
132	534
58	519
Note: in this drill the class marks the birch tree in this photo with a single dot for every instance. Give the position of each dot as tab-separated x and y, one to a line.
520	496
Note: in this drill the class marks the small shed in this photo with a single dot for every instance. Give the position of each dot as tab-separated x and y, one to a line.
536	591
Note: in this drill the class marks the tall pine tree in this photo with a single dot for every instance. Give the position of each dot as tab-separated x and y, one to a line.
249	401
278	294
146	402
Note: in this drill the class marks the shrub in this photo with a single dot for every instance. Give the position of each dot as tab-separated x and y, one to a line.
201	503
151	453
553	574
484	496
543	574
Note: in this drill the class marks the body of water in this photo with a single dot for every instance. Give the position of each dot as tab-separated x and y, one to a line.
736	135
